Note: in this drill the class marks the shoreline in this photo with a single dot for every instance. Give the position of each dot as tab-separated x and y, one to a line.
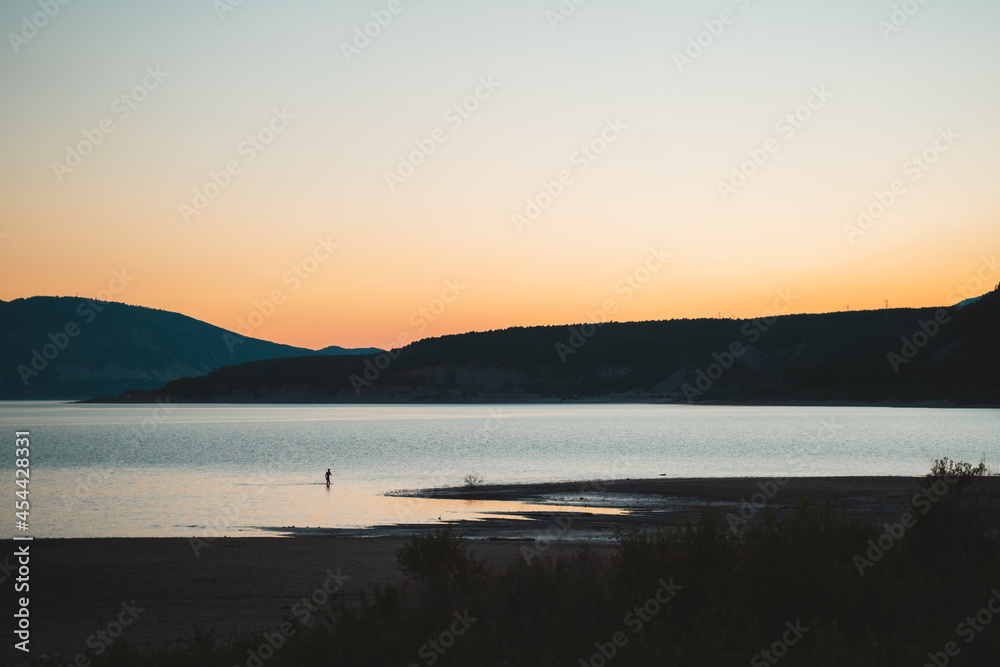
240	584
604	400
647	503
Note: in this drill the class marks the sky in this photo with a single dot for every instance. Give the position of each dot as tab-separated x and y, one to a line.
358	172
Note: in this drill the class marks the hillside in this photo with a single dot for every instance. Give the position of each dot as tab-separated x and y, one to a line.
64	347
931	355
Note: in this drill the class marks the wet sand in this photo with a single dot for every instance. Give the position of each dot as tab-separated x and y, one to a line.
653	502
78	586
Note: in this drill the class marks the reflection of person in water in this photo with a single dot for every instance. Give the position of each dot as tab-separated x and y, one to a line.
328	477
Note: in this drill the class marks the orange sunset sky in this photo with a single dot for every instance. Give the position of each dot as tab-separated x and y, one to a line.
216	157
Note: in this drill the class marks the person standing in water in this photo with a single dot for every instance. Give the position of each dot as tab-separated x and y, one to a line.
328	477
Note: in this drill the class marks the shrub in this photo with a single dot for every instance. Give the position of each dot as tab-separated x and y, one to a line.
738	592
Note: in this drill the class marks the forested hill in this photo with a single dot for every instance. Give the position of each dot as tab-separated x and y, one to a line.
65	347
949	355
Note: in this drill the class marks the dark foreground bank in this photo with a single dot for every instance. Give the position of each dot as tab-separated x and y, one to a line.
814	585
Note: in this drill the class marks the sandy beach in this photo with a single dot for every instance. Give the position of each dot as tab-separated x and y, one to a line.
79	586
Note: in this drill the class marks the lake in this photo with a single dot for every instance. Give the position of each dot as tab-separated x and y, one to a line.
172	470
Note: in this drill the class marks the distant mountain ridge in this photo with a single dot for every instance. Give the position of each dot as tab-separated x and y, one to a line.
892	356
67	347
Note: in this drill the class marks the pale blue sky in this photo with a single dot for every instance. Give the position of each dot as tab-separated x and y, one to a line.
658	184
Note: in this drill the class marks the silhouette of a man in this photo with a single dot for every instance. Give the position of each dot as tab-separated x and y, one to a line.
328	477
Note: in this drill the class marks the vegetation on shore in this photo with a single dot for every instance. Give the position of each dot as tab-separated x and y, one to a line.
813	587
892	356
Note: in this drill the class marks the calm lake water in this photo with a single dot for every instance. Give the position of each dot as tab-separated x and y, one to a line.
146	470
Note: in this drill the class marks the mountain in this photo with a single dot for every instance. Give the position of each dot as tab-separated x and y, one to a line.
967	302
892	356
65	347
